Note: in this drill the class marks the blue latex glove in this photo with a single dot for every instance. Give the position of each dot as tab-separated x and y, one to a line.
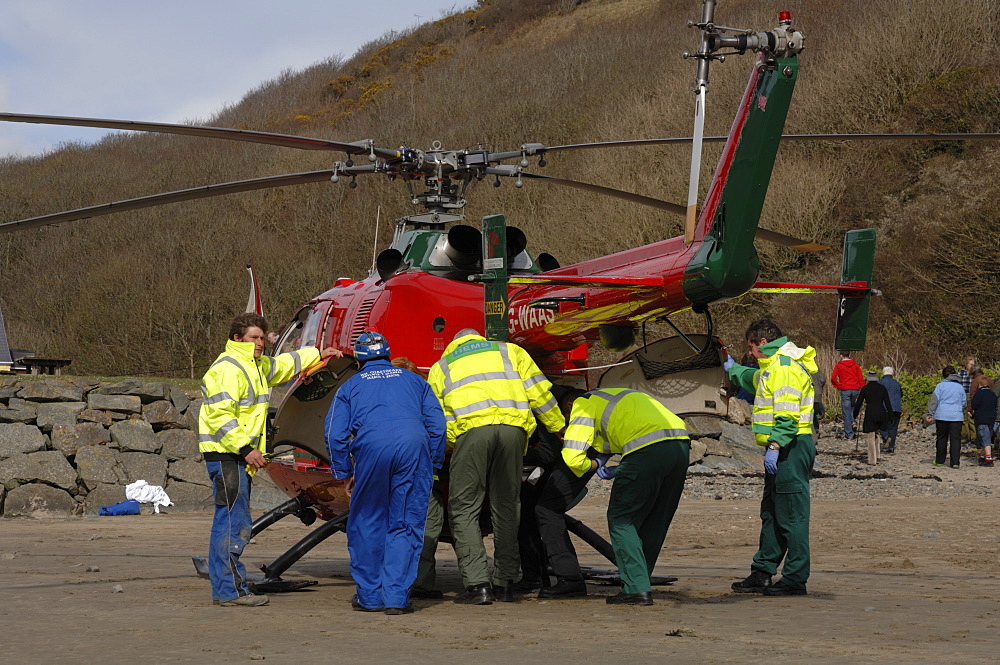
771	461
607	472
729	363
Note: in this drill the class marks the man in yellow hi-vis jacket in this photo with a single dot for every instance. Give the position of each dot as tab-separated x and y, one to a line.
231	434
782	421
655	450
491	393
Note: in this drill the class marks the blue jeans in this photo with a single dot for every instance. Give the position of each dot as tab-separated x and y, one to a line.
230	529
985	433
847	400
891	430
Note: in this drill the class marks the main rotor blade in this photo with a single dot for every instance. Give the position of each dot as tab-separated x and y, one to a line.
787	137
169	197
598	189
763	234
789	241
283	140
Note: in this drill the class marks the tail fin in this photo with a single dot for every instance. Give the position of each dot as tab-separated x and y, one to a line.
857	269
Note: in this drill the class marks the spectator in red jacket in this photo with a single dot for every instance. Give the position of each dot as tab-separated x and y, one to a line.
848	379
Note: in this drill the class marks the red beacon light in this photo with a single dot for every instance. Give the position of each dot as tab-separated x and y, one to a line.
785	17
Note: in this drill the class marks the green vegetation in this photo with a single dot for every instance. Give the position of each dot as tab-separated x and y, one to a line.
152	290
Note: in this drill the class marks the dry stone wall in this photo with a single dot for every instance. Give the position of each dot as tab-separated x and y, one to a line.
69	446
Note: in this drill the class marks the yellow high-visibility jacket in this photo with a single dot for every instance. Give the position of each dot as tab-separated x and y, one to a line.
479	382
235	390
784	400
616	421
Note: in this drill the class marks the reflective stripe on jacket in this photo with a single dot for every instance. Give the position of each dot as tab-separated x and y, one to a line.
616	421
235	390
783	407
479	382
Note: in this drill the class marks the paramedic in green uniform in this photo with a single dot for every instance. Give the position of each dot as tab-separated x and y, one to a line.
782	422
648	482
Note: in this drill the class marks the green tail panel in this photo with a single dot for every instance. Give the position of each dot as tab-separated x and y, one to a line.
858	266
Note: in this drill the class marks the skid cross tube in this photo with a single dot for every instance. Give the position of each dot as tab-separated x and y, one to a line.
298	550
293	506
591	537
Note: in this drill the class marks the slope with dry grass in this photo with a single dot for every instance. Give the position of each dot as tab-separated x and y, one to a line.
155	289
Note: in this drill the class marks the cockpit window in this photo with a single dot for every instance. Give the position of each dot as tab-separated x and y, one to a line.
310	331
291	338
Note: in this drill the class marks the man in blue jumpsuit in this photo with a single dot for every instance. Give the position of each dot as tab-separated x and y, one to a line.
389	421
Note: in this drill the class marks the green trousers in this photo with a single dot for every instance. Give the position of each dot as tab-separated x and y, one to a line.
487	459
644	498
427	567
784	514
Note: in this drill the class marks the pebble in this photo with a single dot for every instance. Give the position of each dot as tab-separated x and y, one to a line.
117	589
93	569
846	473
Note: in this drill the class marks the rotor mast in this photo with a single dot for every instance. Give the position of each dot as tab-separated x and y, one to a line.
783	41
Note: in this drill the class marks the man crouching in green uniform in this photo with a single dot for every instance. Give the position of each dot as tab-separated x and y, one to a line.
782	421
655	448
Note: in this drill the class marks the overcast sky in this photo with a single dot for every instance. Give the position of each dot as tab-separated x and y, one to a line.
173	61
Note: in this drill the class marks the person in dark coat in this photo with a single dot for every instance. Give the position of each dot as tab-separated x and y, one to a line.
877	413
896	399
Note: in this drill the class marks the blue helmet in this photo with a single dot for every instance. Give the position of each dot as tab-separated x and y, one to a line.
371	345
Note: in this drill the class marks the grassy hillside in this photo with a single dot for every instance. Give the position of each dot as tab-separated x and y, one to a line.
155	289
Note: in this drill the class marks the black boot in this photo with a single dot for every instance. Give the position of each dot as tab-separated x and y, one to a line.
755	583
504	593
565	589
622	598
478	594
527	585
782	589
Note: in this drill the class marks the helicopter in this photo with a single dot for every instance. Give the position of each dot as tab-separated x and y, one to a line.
441	275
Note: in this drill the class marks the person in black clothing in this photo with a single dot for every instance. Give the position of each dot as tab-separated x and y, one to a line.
543	454
877	413
549	499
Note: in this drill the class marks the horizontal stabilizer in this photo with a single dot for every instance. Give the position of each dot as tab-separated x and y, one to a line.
855	289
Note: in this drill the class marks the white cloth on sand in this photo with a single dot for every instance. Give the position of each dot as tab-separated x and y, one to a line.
143	492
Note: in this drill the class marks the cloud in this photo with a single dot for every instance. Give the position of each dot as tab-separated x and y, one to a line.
169	61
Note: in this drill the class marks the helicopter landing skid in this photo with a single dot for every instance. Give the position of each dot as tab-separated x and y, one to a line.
605	576
278	585
258	583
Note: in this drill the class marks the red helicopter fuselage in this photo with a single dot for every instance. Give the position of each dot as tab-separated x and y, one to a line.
554	314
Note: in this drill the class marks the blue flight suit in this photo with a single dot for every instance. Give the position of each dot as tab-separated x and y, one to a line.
398	432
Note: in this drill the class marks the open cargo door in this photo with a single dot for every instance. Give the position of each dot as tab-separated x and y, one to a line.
684	380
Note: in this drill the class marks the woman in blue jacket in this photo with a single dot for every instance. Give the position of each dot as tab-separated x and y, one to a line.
947	406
